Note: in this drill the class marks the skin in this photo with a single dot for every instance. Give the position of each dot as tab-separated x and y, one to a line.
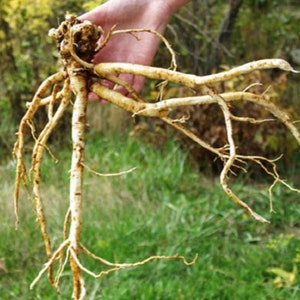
130	14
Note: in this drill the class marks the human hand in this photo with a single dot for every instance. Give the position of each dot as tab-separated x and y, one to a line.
139	48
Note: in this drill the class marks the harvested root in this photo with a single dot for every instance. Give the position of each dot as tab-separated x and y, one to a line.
77	43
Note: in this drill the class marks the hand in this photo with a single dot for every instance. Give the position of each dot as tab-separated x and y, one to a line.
132	14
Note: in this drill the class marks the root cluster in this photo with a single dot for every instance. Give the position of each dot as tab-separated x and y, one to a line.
77	44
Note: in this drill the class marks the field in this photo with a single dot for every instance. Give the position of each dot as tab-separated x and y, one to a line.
164	207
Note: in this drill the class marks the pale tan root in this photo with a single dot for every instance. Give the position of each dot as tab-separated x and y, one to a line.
77	78
173	65
162	108
79	86
21	172
80	75
57	254
117	266
232	156
107	174
38	150
187	79
37	156
65	247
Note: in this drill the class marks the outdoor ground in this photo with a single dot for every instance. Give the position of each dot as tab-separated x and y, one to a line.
164	207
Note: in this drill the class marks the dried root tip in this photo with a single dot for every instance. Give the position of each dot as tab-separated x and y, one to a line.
259	217
242	204
281	64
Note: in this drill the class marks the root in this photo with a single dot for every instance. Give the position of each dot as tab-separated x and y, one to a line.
66	248
107	174
21	173
189	80
77	42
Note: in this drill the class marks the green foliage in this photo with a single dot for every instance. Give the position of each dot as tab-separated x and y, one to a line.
28	56
272	31
89	5
285	245
263	28
164	207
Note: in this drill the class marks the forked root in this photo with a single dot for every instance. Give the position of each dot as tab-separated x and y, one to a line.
66	250
77	42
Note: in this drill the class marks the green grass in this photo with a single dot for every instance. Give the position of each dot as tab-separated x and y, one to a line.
164	207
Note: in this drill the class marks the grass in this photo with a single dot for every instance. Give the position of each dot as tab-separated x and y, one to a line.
164	207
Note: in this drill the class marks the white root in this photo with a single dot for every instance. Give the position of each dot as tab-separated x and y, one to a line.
19	145
107	174
84	77
78	83
188	79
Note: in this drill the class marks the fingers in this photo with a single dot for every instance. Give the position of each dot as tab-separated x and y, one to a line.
126	84
95	16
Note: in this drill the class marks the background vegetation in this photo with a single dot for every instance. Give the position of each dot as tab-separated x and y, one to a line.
208	36
166	206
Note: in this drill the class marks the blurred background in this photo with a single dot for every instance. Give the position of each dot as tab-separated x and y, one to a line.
172	203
